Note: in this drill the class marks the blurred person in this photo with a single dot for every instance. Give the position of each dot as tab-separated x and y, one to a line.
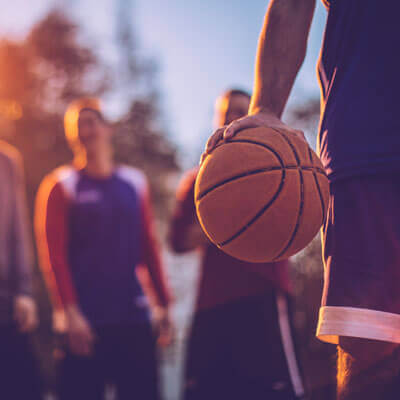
94	229
241	344
359	146
18	316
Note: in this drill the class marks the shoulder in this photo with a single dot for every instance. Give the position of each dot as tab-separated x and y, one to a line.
9	156
134	177
64	178
187	183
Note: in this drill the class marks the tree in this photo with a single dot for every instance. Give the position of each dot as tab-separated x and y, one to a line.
39	76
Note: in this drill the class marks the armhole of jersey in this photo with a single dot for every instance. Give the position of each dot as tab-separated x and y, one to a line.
327	3
136	179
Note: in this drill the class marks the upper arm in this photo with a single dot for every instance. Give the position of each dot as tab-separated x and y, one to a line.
51	229
184	216
294	19
21	247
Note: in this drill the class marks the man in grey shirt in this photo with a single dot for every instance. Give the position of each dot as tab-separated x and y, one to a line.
18	315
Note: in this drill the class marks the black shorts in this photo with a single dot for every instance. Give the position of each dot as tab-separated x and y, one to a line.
19	367
124	356
361	249
243	350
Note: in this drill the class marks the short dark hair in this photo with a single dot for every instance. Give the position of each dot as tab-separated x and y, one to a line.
71	116
98	114
237	92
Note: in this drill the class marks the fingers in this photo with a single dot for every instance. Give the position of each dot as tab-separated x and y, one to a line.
212	142
226	133
81	343
20	316
214	139
238	125
166	335
25	316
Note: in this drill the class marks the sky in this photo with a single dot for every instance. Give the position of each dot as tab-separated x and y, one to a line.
202	48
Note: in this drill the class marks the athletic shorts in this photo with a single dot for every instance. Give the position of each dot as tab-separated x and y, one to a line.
361	251
123	356
243	350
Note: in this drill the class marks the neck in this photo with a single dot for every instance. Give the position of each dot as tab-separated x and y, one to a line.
99	165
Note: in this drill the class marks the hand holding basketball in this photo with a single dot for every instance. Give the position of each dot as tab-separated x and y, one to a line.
258	118
262	195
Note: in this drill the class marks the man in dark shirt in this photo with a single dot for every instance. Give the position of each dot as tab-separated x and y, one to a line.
18	316
94	229
359	145
240	345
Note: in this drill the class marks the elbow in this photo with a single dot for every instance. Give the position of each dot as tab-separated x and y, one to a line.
177	242
178	245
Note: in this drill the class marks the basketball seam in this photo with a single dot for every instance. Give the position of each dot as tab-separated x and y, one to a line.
250	173
299	215
233	178
279	190
258	215
319	189
263	209
277	155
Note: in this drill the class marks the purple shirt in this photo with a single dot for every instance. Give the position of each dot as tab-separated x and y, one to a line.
359	75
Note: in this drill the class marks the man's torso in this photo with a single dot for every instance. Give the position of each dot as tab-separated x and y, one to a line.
104	244
358	71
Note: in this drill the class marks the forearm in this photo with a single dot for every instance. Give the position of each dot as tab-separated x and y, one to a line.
52	235
193	238
21	246
281	51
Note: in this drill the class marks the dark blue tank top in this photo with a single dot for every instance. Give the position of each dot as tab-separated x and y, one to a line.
105	229
359	71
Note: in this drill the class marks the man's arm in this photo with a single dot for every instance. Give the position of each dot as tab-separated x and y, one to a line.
21	249
281	51
185	230
151	258
51	228
22	246
51	225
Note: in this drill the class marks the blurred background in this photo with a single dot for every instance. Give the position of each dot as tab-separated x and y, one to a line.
158	67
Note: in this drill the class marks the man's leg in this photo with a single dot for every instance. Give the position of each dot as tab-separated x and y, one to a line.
208	367
18	366
135	363
360	308
261	343
368	369
81	378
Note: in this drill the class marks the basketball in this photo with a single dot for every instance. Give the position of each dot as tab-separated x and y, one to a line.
262	196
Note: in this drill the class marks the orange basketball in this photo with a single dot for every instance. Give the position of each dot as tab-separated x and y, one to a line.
262	196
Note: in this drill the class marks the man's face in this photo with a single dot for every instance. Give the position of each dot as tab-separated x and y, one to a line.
93	131
230	108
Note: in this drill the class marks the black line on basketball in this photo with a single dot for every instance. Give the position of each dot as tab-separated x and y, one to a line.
273	151
243	175
265	208
253	172
258	215
299	215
